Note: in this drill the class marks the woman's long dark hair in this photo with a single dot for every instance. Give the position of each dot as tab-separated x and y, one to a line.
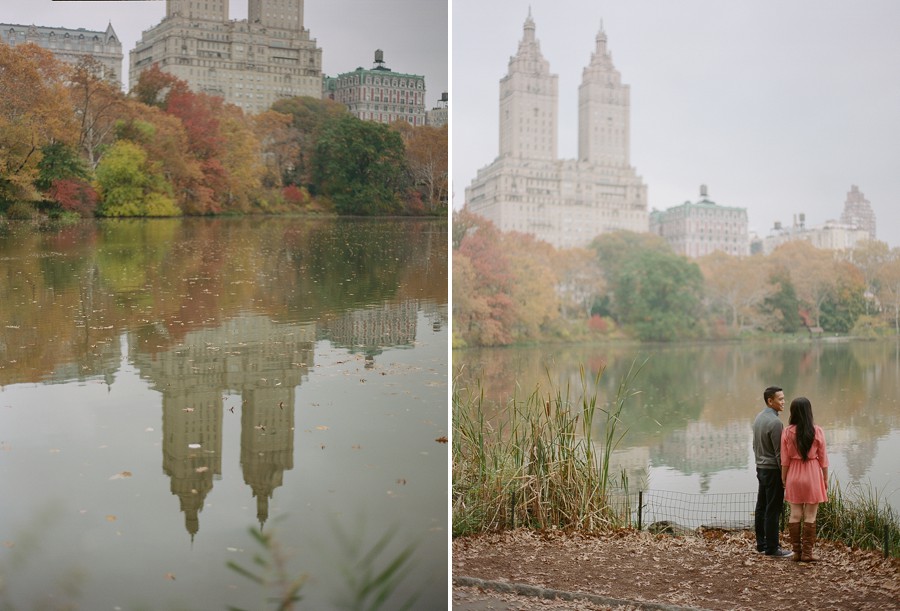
802	418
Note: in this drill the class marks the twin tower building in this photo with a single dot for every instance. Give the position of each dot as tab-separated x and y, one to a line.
249	62
527	188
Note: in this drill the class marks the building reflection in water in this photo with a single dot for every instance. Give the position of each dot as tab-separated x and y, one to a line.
264	363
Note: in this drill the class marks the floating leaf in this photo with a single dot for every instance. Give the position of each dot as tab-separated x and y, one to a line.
441	439
194	446
110	518
321	428
170	576
201	469
121	475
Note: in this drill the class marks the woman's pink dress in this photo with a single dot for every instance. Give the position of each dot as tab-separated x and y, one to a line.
805	481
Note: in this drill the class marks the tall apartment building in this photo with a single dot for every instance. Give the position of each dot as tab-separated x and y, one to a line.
564	202
379	94
700	228
858	212
249	62
71	45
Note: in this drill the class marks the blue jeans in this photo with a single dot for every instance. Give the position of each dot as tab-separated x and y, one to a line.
769	501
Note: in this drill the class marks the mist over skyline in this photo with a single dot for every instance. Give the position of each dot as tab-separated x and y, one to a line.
778	108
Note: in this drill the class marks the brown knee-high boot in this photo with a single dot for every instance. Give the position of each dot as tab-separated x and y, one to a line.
794	529
808	541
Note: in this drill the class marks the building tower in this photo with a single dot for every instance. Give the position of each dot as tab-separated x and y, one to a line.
858	212
528	102
565	202
284	14
251	63
207	10
603	110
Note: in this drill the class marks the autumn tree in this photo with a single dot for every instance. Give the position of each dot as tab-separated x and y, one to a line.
132	185
486	313
427	159
309	116
533	286
279	141
812	272
869	256
888	282
97	103
736	285
360	166
35	111
579	281
845	301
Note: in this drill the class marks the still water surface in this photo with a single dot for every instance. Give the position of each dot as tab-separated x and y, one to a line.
167	385
688	428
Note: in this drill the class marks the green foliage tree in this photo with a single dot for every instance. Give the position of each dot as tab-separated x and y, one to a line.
782	305
308	117
658	295
844	303
131	185
361	167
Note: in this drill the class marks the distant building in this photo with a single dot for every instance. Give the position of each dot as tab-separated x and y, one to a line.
527	188
439	115
71	45
379	94
858	212
251	62
703	227
830	236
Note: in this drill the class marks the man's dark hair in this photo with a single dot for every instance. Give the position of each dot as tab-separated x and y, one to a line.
769	393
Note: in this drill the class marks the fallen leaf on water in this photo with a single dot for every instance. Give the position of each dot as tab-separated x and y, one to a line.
201	469
9	544
110	518
170	576
321	428
149	429
54	450
357	447
441	439
188	409
121	475
401	481
193	446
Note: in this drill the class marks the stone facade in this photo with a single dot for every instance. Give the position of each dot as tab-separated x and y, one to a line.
379	94
71	45
440	114
251	63
700	228
830	236
858	211
528	188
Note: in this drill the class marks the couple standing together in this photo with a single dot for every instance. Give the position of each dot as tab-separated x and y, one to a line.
791	464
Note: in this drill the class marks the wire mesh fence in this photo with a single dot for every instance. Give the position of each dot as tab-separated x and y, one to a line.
679	512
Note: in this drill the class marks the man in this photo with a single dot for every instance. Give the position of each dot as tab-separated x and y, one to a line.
767	448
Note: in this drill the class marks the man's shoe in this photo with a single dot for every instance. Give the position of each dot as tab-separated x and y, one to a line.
760	551
780	553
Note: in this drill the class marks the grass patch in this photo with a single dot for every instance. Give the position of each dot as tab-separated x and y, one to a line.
859	518
536	463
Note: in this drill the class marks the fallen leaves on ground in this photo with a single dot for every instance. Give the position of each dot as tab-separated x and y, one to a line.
716	570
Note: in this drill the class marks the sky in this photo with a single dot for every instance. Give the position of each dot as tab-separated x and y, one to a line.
412	33
778	107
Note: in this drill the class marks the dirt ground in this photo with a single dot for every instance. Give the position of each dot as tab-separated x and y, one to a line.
639	570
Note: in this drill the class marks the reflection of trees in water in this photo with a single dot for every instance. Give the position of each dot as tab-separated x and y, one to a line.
65	294
716	390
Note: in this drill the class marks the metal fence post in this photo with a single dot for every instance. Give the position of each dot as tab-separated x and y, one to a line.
640	506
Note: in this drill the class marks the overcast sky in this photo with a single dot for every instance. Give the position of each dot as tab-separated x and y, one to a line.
412	33
778	106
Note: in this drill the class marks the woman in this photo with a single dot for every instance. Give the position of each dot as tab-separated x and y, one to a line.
804	473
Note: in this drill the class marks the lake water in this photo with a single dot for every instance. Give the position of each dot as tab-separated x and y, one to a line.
688	428
167	385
